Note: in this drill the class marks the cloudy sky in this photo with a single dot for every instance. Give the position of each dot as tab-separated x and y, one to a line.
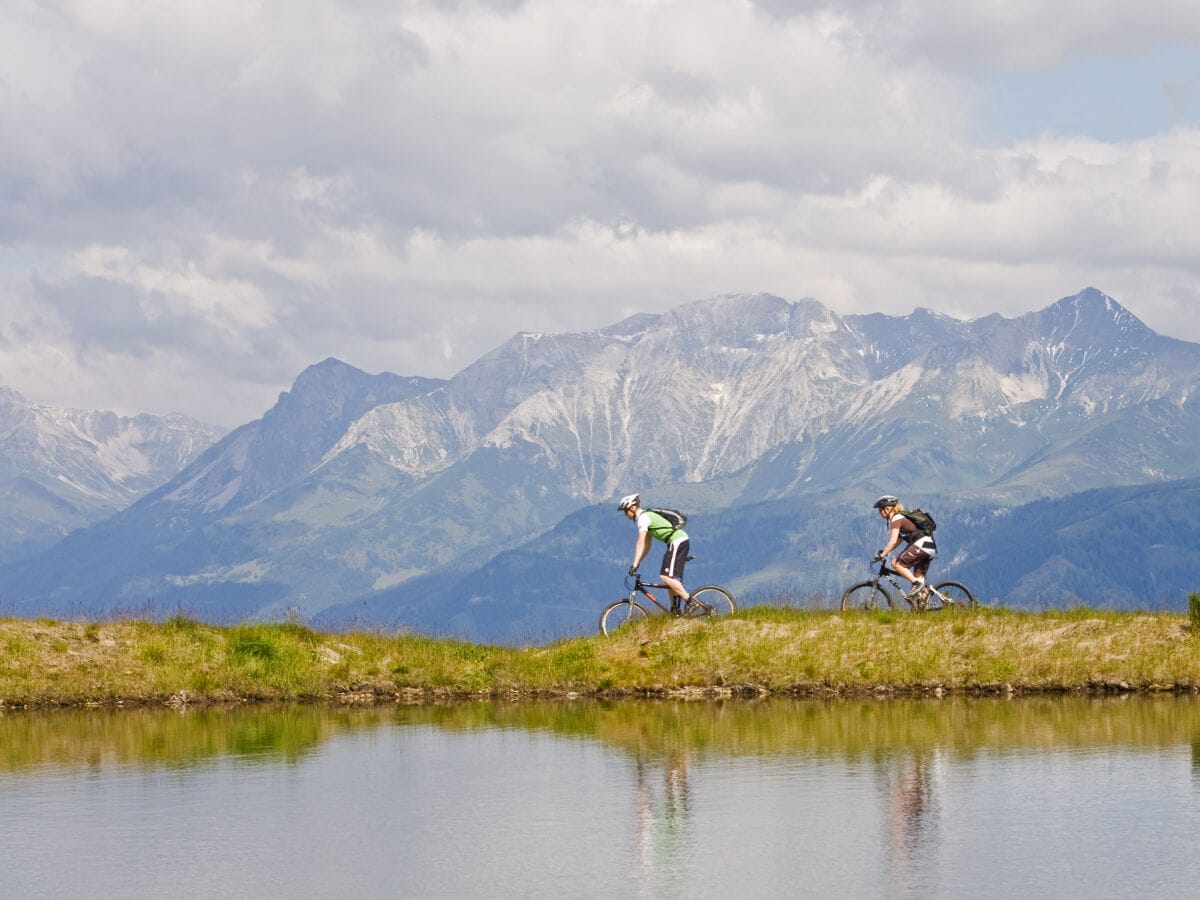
199	199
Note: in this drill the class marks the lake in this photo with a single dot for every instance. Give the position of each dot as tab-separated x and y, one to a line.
1054	797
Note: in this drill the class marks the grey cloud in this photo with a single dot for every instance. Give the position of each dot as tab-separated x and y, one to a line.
208	140
406	195
102	315
1001	34
155	118
789	9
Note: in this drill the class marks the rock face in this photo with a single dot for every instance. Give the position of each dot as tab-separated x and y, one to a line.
354	484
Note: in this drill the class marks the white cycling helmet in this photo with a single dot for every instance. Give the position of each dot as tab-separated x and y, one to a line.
885	501
627	501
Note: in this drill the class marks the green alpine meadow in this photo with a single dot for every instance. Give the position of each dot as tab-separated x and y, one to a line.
760	651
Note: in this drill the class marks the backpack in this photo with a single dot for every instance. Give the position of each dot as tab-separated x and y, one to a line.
674	516
923	520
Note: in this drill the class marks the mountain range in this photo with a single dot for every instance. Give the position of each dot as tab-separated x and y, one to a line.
61	469
481	504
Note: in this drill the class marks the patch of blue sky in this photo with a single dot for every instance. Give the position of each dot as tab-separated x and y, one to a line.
25	258
1108	98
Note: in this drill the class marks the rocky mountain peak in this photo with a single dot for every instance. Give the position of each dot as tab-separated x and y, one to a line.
1091	319
324	377
632	326
748	319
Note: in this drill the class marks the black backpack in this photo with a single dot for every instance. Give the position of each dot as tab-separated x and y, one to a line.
923	520
674	516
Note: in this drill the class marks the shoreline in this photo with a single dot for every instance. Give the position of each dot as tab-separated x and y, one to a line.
694	694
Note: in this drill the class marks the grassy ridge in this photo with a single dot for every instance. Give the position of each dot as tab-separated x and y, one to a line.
762	650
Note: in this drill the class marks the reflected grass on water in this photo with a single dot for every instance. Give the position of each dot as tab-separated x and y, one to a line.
857	728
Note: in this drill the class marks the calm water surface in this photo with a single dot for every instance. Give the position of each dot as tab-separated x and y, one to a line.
949	798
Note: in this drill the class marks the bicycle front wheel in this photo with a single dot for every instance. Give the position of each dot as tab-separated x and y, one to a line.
618	614
709	600
951	595
867	595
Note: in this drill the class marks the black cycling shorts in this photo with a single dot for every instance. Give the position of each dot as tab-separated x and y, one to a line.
675	559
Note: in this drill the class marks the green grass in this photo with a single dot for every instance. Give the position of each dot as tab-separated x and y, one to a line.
761	650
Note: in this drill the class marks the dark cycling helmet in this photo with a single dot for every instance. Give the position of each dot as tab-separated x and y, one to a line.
885	501
627	501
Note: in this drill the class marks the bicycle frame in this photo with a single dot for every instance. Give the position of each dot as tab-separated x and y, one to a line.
644	587
900	583
890	575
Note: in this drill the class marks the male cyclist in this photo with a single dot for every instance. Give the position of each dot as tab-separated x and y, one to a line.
652	525
913	562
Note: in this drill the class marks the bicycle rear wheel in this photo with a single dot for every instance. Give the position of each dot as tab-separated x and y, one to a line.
620	613
867	595
951	595
709	600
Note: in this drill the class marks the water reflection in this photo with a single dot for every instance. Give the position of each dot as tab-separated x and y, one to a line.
841	728
168	738
662	827
900	735
911	820
655	799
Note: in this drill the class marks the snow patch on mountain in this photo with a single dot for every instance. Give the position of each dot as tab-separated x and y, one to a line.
1023	387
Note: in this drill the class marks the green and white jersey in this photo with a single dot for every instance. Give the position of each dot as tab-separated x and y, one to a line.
660	528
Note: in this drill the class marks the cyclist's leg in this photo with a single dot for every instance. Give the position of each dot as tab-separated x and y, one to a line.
672	572
921	588
928	551
908	565
903	564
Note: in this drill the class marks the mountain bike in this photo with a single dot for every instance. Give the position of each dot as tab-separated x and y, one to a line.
872	594
709	600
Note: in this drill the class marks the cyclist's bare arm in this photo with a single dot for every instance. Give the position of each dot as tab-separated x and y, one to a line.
641	548
892	543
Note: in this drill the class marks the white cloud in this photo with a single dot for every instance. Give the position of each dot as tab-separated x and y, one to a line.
216	195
